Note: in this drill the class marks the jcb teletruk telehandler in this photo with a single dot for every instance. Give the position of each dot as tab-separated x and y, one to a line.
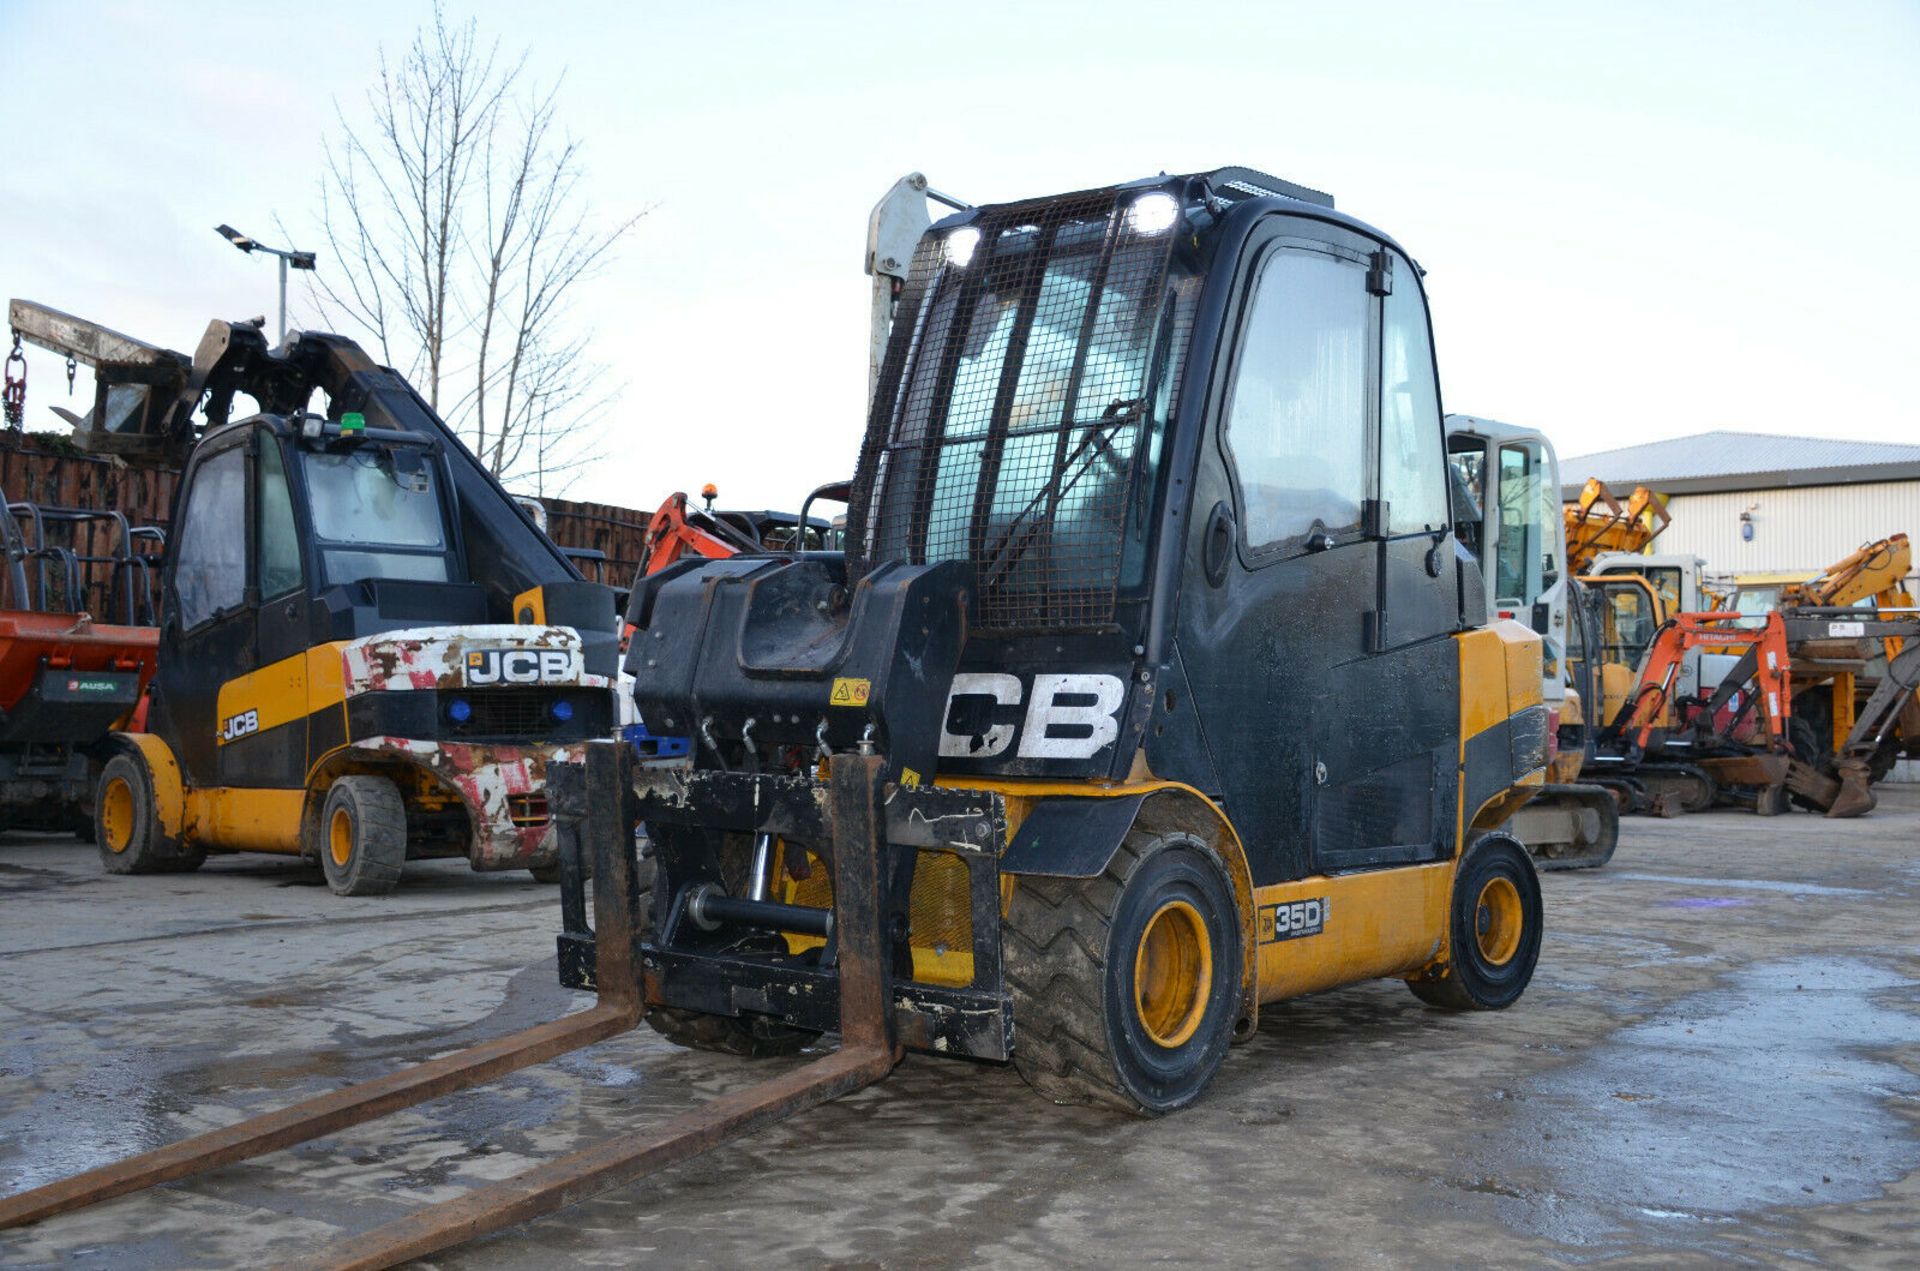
1152	688
368	653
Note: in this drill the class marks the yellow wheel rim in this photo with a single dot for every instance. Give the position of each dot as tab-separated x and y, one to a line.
340	837
1172	974
1497	921
116	815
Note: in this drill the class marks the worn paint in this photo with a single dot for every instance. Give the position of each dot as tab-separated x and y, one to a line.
487	778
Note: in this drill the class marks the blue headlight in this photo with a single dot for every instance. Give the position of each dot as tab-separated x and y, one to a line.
459	710
563	711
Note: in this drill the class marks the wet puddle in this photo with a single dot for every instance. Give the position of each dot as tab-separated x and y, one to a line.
1775	1090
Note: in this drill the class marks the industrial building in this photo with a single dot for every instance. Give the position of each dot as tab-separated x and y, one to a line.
1757	504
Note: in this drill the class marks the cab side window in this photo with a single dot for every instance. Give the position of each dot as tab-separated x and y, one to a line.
1518	502
1413	477
279	543
1296	422
210	568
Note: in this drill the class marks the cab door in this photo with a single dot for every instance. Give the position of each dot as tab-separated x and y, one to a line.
1390	738
230	693
1315	616
207	629
1281	582
275	754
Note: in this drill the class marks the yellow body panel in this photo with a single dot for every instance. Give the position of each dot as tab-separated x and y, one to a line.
1499	677
277	691
1617	681
1380	923
289	690
1022	793
169	797
326	676
258	820
1499	674
247	820
1521	648
1483	681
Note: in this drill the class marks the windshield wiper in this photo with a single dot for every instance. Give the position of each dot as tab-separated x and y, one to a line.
1008	552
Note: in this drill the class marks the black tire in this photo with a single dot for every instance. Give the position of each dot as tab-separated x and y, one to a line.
129	834
1495	924
1086	1028
363	836
749	1036
1810	738
1881	762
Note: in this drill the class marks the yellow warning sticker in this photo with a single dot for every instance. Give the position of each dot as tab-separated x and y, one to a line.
909	777
848	691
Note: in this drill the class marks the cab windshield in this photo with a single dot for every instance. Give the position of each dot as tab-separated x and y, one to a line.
376	513
1026	392
1629	621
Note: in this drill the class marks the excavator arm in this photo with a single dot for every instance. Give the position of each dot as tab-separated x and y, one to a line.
1765	665
678	531
1875	571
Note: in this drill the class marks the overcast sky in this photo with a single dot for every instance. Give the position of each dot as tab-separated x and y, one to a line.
1639	220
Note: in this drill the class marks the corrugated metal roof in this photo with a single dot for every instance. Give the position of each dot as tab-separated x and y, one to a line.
1721	456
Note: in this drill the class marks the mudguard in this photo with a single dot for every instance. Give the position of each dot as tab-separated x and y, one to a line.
1071	837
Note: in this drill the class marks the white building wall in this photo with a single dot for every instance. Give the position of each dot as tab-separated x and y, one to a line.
1803	529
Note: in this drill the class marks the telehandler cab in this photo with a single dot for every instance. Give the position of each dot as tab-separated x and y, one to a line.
367	652
1151	688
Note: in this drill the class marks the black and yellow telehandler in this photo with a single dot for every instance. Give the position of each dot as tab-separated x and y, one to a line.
1152	688
368	653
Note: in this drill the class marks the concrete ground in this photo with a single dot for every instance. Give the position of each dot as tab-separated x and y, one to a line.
1718	1061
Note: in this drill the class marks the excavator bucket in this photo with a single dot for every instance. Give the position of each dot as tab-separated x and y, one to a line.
1598	522
1855	796
592	809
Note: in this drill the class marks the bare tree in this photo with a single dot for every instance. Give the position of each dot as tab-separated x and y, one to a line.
453	209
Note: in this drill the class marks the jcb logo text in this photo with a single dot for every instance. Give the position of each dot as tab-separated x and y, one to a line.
1068	717
235	727
518	666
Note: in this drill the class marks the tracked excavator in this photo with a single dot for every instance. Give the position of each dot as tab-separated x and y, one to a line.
1151	689
1751	734
1808	704
1838	671
1506	489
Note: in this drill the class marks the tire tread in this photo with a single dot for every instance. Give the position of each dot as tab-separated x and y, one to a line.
380	847
1054	942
